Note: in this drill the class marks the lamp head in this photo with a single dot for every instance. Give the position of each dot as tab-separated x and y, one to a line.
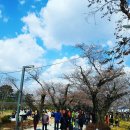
126	26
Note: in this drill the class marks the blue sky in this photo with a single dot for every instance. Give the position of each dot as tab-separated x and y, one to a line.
42	32
14	10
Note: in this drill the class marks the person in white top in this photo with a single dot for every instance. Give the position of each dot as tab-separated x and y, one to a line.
49	114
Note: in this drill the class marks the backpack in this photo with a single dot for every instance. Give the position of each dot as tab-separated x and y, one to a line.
45	119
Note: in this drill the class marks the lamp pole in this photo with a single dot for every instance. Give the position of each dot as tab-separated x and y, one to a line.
126	26
20	95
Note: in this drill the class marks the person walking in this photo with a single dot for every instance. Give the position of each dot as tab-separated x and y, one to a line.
49	114
68	119
117	119
111	119
73	118
76	120
57	118
63	122
81	120
45	120
107	119
36	118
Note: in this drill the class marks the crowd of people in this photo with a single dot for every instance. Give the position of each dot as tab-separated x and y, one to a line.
69	120
113	119
74	120
24	113
63	119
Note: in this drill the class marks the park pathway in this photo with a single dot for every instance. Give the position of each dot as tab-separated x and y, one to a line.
50	127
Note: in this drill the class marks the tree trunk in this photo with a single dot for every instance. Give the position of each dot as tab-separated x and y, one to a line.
99	114
102	114
95	109
101	117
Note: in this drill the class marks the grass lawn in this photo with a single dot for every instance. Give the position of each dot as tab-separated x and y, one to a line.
4	113
124	125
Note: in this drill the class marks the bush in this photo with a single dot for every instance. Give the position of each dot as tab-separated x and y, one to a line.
6	119
100	126
128	127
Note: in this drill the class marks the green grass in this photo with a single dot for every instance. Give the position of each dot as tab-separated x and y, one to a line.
124	125
4	113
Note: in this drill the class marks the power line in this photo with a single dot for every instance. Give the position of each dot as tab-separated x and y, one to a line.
57	63
43	66
16	71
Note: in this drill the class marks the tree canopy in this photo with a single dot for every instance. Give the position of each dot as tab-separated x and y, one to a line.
104	84
108	9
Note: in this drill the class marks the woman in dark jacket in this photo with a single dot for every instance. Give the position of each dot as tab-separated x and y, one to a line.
66	121
81	119
36	118
63	122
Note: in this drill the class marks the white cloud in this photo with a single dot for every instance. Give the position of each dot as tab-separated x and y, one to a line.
2	17
31	87
0	14
5	19
19	51
66	66
33	25
22	2
110	44
33	6
127	70
37	0
65	23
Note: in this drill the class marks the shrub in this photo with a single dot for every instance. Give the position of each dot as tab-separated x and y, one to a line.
128	127
100	126
6	119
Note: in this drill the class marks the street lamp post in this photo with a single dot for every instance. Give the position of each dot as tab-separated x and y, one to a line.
20	95
126	26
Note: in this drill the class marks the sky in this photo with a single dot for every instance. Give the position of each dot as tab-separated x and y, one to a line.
42	32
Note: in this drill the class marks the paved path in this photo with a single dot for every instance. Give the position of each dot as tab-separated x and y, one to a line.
49	127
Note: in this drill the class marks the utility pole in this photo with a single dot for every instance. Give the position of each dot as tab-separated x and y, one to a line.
20	95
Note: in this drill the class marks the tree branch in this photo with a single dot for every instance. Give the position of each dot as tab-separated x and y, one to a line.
124	8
